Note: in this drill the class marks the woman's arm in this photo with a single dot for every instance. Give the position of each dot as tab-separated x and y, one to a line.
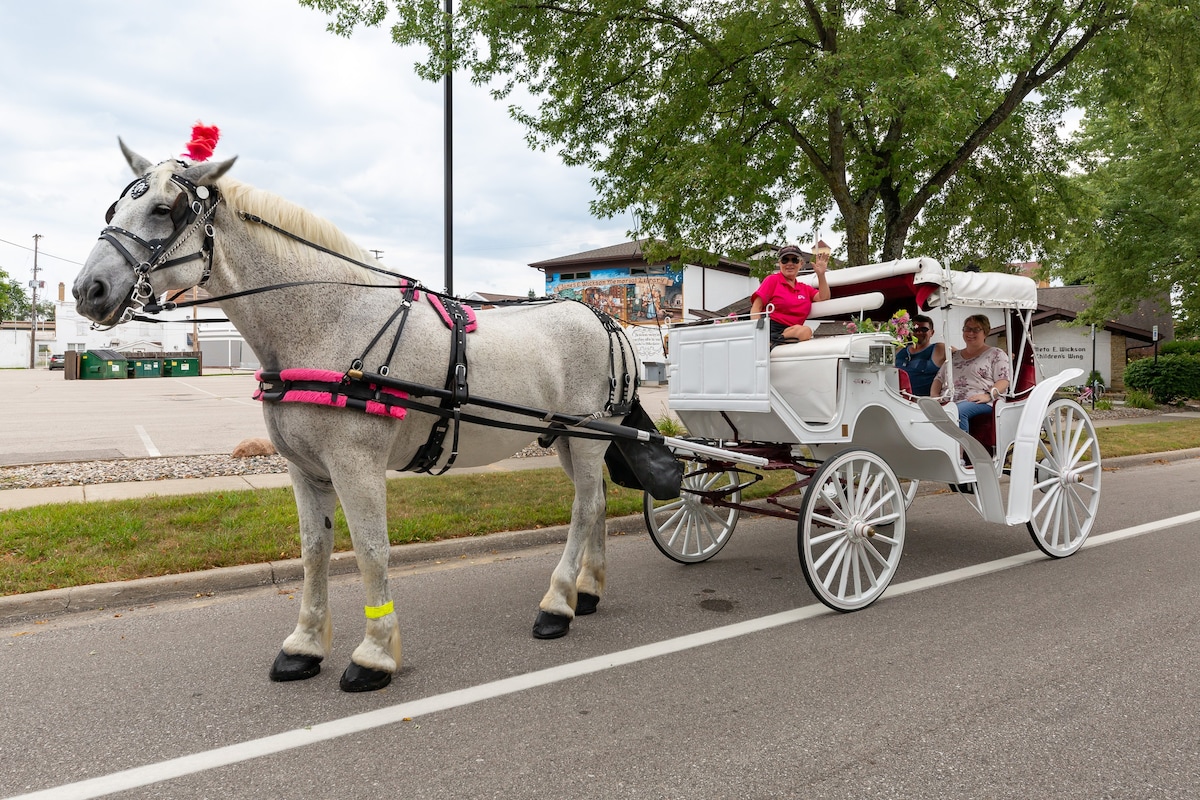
819	266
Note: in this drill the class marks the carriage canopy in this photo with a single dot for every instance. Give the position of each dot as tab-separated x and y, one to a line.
923	282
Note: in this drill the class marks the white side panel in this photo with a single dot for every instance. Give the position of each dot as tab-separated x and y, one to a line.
723	367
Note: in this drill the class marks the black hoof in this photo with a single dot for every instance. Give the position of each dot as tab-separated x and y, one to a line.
363	679
550	626
294	668
586	604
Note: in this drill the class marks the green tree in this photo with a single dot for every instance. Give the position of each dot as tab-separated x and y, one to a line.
14	302
1133	227
721	123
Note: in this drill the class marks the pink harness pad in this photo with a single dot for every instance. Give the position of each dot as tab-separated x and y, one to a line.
436	302
440	308
330	396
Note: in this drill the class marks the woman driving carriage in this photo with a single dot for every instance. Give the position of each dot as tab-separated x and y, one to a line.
789	300
981	373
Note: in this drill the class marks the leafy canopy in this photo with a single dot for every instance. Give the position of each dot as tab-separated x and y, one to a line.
1133	228
723	124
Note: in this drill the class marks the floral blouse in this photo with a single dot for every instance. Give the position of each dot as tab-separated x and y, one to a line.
977	375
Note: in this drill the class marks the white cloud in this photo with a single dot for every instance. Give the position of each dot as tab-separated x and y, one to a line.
341	126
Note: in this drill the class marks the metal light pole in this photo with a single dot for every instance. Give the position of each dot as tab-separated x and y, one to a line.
448	179
33	285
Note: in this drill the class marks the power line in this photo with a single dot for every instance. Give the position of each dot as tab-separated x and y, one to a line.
43	253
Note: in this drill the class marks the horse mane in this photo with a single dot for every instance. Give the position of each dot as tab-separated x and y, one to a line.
298	221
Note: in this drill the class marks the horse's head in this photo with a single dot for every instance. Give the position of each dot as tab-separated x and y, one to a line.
159	238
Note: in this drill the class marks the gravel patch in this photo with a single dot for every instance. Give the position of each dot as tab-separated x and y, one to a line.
86	473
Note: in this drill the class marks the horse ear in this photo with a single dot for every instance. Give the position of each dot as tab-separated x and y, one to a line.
208	172
139	165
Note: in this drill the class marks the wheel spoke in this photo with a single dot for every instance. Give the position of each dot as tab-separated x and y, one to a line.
837	550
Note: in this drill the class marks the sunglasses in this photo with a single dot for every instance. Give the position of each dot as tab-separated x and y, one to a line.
972	330
920	329
789	260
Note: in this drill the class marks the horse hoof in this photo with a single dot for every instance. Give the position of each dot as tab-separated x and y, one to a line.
586	604
289	667
363	679
550	626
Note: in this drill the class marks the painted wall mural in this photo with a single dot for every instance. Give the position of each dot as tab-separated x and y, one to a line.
650	298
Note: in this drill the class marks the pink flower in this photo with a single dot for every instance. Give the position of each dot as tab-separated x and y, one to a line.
851	327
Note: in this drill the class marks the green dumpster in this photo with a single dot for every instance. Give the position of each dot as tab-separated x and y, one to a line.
102	365
180	367
145	368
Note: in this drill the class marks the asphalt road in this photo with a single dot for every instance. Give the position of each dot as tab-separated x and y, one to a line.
1022	678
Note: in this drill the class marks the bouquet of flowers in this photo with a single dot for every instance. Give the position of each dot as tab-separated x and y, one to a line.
897	327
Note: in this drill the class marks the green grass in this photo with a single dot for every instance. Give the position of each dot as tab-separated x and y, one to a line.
74	544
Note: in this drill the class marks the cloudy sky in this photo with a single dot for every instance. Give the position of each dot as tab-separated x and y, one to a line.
340	126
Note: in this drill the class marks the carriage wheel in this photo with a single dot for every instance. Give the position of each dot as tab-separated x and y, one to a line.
686	529
1066	485
851	530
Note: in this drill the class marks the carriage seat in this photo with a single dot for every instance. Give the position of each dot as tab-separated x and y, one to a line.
983	427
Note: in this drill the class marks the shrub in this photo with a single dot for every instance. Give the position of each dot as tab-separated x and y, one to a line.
1139	399
1179	346
1169	379
1104	405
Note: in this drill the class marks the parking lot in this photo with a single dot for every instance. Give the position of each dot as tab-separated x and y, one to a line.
46	418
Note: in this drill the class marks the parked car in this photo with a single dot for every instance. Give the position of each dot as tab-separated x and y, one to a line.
57	361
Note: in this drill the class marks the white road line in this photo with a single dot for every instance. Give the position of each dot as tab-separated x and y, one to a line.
290	740
147	441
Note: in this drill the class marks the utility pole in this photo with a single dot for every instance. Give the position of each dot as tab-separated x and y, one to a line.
33	285
448	179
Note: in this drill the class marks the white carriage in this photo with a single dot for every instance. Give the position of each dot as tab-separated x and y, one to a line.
833	411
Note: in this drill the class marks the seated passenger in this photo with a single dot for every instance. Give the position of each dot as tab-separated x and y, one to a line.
792	301
922	359
981	373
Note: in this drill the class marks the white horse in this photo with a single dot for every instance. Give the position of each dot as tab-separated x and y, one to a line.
308	309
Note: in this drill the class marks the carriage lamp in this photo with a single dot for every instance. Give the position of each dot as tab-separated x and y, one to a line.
882	353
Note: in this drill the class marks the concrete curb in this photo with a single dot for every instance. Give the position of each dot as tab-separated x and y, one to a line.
142	591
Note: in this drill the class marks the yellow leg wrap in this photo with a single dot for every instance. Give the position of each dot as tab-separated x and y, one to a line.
375	612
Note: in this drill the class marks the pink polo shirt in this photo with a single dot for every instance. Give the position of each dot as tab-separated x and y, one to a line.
792	305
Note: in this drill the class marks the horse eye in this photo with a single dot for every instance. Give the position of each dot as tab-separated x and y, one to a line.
162	209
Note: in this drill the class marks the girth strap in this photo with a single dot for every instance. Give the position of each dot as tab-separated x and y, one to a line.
456	384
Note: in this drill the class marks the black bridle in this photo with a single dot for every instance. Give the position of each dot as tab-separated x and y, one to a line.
192	212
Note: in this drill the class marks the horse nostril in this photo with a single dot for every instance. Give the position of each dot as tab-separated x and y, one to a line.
96	292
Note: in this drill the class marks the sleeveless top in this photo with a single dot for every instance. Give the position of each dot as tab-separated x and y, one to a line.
920	367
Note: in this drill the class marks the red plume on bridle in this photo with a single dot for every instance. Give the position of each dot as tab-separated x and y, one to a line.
204	141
